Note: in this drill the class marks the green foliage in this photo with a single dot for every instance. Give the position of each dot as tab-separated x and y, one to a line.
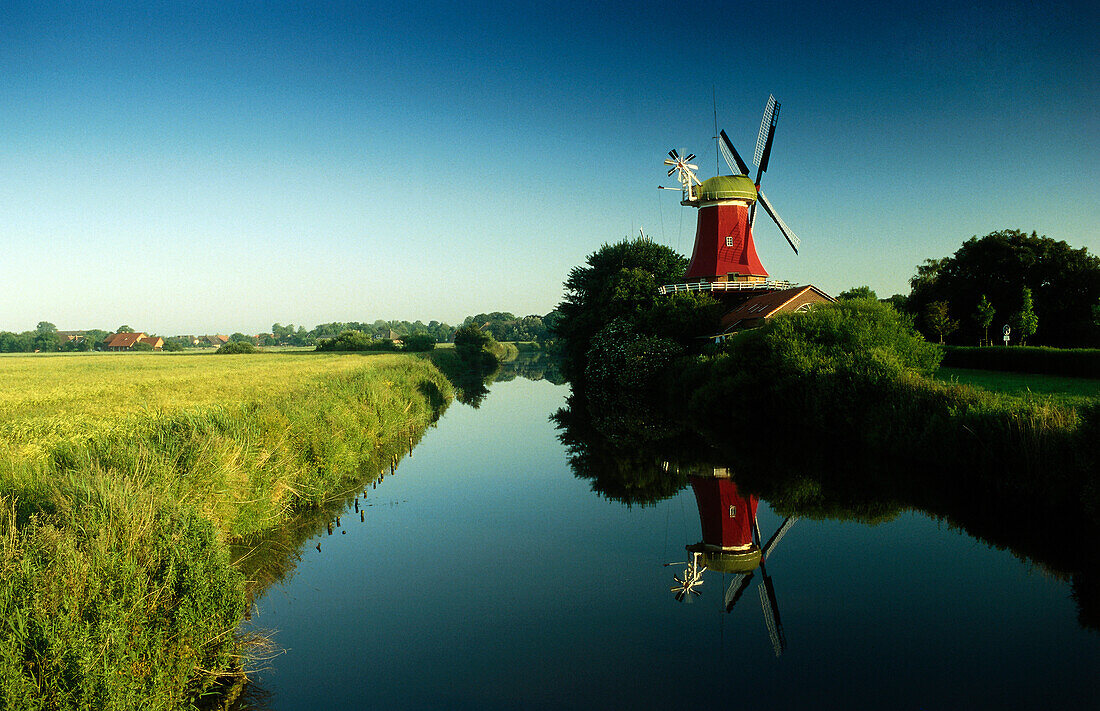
1026	320
983	315
504	326
142	346
1073	362
241	338
620	282
621	357
124	329
418	343
173	345
476	348
857	292
939	321
236	347
1065	284
856	341
355	341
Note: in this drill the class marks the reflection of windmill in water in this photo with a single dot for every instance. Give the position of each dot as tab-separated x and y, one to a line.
732	544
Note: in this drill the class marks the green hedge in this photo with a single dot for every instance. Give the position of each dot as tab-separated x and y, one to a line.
1077	362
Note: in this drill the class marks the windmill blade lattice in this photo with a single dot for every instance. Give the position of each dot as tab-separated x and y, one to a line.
767	131
730	154
792	239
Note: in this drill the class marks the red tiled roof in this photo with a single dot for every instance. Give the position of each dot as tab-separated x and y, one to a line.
768	304
124	340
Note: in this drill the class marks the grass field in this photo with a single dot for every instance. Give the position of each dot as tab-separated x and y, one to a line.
124	476
1058	390
78	391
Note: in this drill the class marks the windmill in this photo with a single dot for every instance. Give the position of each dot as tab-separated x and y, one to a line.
724	253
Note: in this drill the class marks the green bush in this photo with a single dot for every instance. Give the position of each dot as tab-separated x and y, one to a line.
1074	362
419	343
621	357
234	347
355	341
476	348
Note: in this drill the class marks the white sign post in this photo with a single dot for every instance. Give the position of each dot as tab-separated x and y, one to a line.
1006	330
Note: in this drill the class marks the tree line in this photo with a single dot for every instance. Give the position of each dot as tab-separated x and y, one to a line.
501	325
1047	292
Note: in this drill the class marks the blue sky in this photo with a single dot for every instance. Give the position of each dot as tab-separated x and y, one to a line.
200	167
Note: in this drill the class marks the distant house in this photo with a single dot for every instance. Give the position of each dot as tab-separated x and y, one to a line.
123	341
760	308
392	335
216	341
71	336
155	341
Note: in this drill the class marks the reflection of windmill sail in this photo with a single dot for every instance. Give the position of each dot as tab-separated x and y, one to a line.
740	583
736	589
770	606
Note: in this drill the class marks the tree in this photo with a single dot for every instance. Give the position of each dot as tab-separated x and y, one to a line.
1064	282
857	292
1027	322
939	319
474	346
45	338
240	338
618	281
124	329
95	337
984	314
419	342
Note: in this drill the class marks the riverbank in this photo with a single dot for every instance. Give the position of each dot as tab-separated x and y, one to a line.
122	482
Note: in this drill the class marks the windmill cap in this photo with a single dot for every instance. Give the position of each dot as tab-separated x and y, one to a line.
725	561
727	187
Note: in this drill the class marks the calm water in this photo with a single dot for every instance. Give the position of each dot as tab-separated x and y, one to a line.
486	575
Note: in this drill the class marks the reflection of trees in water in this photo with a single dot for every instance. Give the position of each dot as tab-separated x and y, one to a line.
633	452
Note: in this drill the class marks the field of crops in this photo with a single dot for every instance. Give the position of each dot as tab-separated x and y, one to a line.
99	385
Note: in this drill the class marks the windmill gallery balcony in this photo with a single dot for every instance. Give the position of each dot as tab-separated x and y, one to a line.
768	285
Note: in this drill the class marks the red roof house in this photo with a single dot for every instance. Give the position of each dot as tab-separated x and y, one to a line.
759	308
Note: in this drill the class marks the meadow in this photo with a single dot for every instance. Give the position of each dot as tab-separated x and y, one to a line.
125	477
1056	389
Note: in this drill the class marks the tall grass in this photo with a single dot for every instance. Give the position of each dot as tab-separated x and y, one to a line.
116	587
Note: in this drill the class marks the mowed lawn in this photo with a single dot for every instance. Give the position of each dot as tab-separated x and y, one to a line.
64	392
1060	390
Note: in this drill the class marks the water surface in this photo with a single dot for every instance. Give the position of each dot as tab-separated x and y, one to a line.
485	575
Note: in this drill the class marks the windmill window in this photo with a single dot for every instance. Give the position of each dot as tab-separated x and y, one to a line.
729	240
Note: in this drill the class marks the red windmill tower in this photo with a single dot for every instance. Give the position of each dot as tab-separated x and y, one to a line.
724	257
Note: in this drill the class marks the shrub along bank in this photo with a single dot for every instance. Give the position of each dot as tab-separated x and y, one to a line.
847	383
116	588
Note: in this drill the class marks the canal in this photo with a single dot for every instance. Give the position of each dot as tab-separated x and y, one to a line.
485	574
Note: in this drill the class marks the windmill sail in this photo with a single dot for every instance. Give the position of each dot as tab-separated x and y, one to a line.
792	239
767	130
731	155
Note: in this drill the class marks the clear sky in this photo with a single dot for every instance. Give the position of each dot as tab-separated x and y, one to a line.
217	167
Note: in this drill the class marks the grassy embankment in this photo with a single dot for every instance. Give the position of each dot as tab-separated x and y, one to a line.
124	477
